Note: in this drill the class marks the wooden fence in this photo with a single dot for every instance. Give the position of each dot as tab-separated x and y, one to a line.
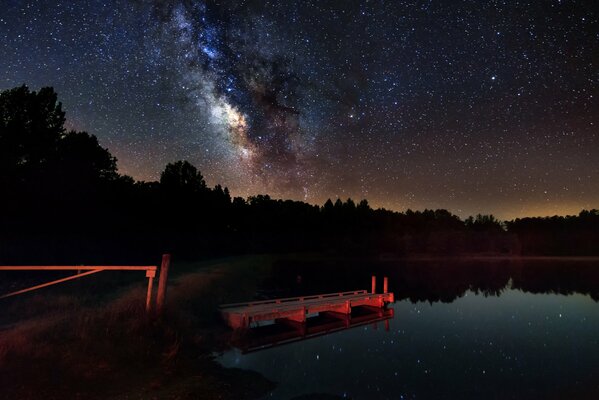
93	269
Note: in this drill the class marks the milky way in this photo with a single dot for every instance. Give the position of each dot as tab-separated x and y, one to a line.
470	106
248	95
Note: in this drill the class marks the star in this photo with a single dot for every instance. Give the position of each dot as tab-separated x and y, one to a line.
379	100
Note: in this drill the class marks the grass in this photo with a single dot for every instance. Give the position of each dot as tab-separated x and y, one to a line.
76	344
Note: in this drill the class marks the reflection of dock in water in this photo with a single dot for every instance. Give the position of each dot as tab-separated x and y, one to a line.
286	331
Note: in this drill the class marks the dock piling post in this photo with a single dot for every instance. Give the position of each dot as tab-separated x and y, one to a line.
385	285
161	296
373	284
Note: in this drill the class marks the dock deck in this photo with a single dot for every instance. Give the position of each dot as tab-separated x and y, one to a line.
296	309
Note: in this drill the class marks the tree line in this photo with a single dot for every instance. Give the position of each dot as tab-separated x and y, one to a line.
63	199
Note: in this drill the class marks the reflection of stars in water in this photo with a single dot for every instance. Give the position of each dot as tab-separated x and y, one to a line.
471	331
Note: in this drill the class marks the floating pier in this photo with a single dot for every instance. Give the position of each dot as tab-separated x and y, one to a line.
296	309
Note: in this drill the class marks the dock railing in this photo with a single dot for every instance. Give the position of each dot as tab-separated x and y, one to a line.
294	299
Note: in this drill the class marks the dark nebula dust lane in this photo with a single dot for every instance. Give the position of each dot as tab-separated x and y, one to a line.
474	107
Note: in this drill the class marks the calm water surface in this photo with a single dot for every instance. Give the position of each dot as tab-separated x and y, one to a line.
508	344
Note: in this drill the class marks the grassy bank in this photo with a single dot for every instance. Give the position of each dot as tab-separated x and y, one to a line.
78	343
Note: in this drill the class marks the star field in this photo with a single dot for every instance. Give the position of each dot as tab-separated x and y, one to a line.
488	107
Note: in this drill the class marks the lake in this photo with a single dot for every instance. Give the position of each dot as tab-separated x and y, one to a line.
474	329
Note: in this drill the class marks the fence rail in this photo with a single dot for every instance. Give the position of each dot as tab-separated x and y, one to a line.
93	269
77	267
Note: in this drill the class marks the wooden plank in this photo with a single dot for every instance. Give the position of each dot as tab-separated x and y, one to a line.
297	300
332	301
290	299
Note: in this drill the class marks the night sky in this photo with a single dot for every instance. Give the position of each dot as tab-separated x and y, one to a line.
472	106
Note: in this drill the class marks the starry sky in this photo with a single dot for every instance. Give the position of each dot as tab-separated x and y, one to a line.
472	106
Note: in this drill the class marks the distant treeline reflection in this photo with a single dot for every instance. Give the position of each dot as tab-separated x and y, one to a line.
63	200
435	281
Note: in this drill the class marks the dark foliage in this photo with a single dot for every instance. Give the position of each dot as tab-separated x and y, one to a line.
573	234
442	280
64	201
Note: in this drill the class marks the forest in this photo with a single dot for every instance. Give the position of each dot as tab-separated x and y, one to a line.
64	200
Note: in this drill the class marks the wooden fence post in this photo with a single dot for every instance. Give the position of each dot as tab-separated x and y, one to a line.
385	285
150	275
161	296
373	284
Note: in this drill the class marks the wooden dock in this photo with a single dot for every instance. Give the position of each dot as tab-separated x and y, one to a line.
296	309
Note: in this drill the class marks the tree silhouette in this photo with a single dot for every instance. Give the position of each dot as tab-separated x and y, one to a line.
484	223
66	200
181	176
31	125
36	149
80	154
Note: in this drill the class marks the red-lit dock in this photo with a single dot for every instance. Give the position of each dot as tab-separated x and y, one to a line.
296	309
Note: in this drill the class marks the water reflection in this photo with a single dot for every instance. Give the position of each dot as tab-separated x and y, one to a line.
434	281
285	332
460	330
